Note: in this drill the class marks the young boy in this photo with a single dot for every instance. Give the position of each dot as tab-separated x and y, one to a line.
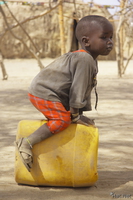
62	90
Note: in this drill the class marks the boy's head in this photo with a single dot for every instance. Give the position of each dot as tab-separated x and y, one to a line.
95	35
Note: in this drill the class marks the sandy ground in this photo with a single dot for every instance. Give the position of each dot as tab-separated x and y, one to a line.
114	118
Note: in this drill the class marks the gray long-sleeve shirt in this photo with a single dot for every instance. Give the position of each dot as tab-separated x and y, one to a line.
69	80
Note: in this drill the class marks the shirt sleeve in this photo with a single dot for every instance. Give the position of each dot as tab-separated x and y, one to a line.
87	107
82	66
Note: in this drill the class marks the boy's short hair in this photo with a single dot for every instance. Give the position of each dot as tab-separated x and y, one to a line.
85	24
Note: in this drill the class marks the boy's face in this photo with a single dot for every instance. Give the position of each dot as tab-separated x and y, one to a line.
100	40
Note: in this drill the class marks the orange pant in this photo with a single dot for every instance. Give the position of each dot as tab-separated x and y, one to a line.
58	117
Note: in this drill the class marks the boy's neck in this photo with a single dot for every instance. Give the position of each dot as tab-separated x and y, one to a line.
83	50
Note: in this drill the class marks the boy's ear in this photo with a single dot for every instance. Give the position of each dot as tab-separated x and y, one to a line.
86	41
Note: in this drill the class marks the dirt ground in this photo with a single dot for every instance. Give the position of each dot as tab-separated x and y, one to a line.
114	118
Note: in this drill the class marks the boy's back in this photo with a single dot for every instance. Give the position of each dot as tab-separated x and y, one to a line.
68	77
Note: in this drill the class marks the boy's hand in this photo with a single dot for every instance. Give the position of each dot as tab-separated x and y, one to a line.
85	121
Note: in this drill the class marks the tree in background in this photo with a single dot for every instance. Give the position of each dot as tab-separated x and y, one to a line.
124	36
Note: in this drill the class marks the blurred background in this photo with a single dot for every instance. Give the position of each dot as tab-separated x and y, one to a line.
43	29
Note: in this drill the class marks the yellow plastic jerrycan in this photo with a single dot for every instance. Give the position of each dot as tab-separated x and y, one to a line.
68	158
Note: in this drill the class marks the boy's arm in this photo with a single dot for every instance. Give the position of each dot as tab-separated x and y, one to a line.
74	110
82	71
80	119
74	114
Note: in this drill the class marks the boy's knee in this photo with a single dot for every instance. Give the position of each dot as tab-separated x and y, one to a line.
64	124
56	126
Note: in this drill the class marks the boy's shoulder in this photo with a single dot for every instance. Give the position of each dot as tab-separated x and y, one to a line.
82	55
75	57
78	53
